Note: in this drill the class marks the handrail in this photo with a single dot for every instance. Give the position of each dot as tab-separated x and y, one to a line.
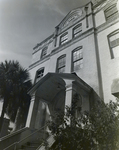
7	148
17	143
13	134
50	141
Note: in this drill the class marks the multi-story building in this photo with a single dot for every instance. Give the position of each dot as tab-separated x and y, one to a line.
85	42
80	58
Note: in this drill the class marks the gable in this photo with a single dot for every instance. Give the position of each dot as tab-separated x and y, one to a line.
74	16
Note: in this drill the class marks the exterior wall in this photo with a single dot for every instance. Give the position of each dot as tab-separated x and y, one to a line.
99	18
99	70
88	73
109	67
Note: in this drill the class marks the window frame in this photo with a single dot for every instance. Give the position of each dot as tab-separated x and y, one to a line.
76	49
42	53
62	42
57	67
36	76
79	32
109	42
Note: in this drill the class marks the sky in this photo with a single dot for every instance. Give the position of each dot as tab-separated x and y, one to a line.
24	23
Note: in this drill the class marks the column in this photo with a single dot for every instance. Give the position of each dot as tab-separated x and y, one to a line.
32	112
68	98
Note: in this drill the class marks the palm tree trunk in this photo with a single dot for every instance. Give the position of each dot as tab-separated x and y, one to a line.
2	115
19	120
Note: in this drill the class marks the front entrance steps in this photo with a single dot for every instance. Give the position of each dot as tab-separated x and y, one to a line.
37	145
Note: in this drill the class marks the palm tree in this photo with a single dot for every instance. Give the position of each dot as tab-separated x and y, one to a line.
14	84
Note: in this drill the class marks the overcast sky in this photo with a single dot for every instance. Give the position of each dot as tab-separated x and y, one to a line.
24	23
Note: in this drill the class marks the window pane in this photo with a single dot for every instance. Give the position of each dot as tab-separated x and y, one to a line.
77	55
78	65
61	70
44	52
116	36
61	64
39	75
114	44
77	30
115	51
64	39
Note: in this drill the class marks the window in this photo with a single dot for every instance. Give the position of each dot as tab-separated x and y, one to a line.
61	61
39	74
111	11
114	43
77	57
77	30
44	52
64	38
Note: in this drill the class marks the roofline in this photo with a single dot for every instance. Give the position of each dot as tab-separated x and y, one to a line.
71	11
43	41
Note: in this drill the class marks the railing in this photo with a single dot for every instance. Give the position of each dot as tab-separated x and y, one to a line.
16	145
49	142
11	146
29	138
13	137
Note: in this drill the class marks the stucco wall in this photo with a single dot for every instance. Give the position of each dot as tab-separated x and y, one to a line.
109	67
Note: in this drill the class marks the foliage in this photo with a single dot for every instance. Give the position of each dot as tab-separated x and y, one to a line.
14	84
93	130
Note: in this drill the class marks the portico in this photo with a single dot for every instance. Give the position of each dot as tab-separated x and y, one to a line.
52	93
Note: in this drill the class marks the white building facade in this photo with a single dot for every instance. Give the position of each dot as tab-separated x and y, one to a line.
85	42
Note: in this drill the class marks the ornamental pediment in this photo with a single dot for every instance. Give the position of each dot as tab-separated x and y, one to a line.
72	17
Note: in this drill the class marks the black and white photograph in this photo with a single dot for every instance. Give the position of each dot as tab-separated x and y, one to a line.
59	75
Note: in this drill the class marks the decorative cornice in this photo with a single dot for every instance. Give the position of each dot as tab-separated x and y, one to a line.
73	17
44	43
77	22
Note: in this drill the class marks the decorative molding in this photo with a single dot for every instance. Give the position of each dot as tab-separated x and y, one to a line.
104	5
43	44
73	17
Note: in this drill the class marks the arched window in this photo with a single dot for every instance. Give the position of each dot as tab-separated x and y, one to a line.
113	39
39	74
77	59
61	62
44	52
